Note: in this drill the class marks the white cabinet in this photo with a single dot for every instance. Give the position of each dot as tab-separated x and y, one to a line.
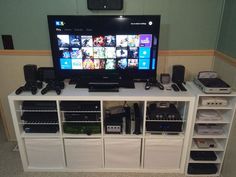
44	153
163	153
81	141
213	119
83	153
122	153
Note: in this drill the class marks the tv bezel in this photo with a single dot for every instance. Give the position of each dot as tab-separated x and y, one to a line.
136	74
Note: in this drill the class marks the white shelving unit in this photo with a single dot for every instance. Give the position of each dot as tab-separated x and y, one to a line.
227	114
106	152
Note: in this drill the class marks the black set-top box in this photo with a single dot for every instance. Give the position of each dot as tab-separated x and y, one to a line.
80	106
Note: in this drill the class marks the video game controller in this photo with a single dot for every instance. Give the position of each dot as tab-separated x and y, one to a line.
151	83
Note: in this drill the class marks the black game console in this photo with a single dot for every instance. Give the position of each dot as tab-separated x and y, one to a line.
202	168
39	105
203	155
163	119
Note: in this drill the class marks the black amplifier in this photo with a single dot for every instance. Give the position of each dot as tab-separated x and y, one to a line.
163	119
80	106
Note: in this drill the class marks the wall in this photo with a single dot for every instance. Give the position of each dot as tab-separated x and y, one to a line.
225	65
227	39
185	24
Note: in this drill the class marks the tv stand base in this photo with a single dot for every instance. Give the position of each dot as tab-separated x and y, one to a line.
103	87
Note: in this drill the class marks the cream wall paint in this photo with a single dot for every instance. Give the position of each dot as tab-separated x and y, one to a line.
11	67
11	77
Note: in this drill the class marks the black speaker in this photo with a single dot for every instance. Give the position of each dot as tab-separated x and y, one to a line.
7	42
178	72
31	73
105	4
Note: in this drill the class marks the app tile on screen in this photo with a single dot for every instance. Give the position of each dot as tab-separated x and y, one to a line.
65	54
87	52
88	63
110	52
110	41
76	53
121	52
144	52
102	63
63	40
65	63
121	40
133	63
133	40
133	52
99	52
98	41
145	40
144	64
110	64
77	64
75	41
97	63
87	41
122	63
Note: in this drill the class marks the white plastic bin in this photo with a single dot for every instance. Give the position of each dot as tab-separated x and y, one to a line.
83	153
44	153
122	153
163	153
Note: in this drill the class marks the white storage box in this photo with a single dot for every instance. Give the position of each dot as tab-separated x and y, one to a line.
122	153
44	153
83	153
162	154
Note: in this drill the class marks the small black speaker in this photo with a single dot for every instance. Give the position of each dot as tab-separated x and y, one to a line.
31	73
105	4
178	72
7	42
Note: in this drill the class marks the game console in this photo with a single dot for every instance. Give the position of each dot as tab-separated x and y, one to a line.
163	117
203	155
209	129
208	82
208	115
202	168
213	101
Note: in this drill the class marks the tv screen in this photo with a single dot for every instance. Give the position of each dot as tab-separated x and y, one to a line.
88	46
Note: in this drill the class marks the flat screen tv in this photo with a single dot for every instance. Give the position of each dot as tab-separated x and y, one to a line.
102	46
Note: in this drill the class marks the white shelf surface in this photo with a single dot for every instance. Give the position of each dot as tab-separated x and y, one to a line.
40	135
215	107
195	135
72	94
217	161
222	121
68	135
129	136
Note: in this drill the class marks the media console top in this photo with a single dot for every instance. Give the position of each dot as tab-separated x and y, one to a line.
139	93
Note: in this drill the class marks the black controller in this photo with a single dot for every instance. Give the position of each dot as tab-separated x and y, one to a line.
53	85
153	83
29	86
